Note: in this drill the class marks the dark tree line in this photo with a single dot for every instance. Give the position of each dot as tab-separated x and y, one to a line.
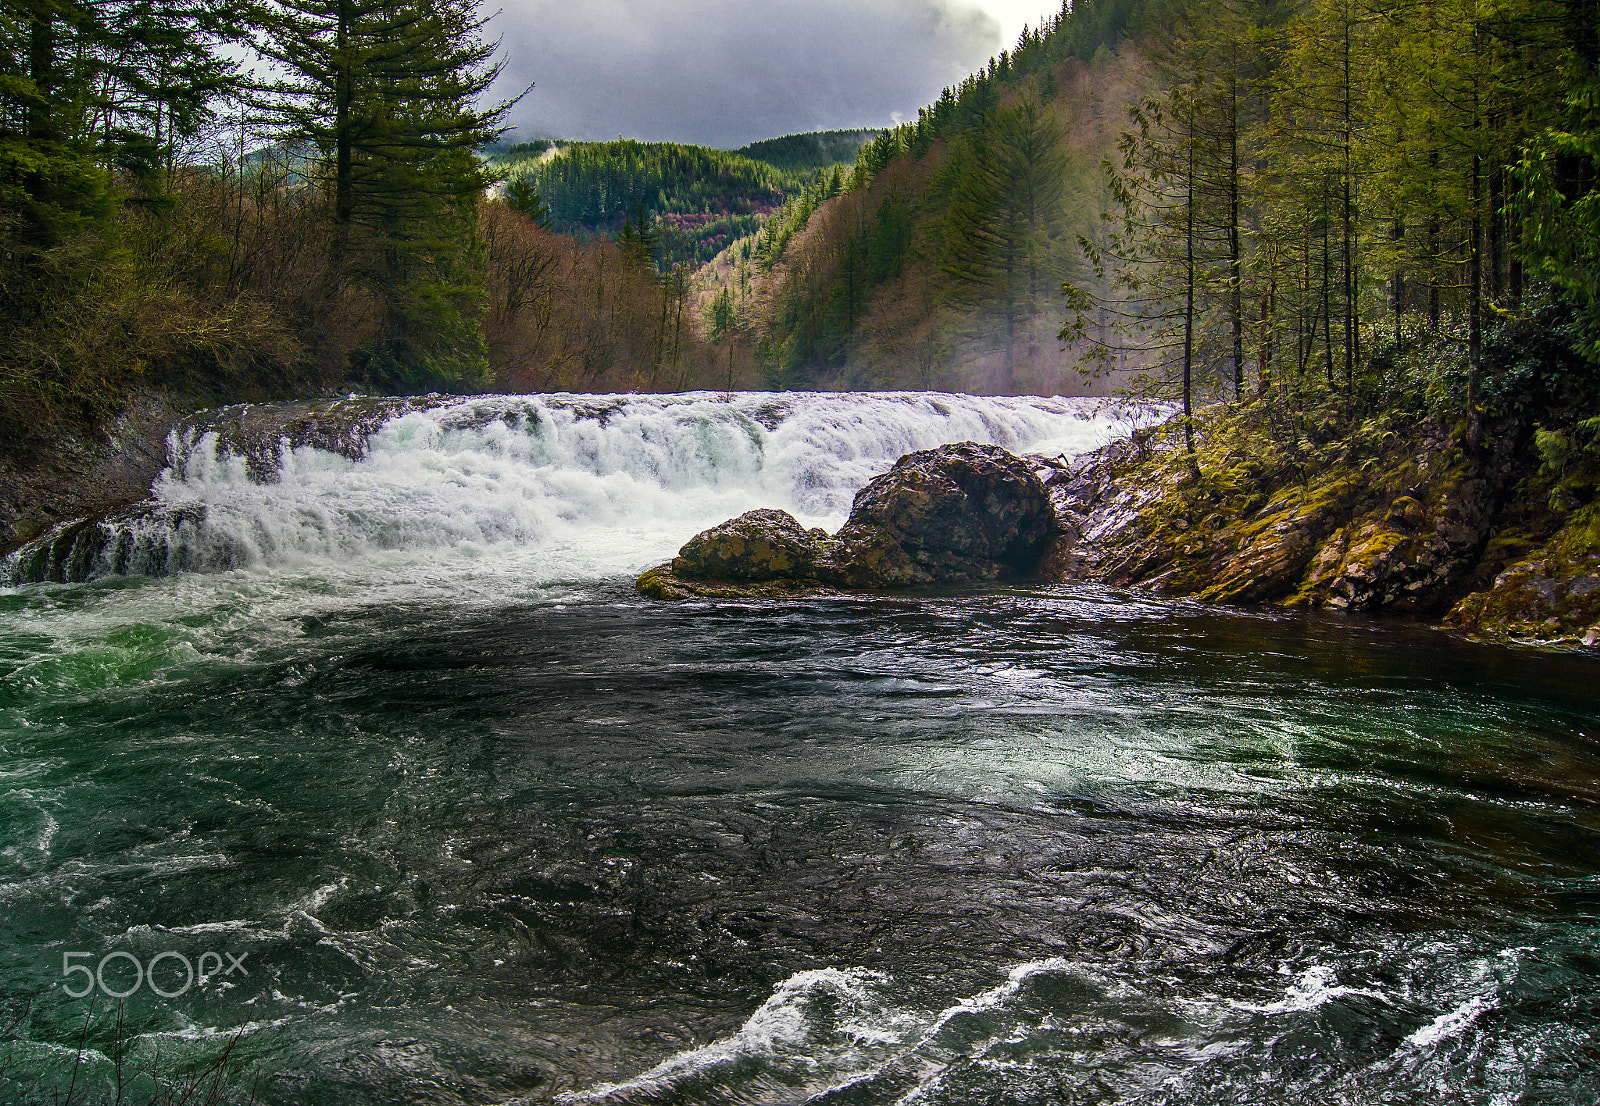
1322	179
142	175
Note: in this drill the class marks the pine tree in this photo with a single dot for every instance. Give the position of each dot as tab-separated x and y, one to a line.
1009	185
100	93
724	323
165	78
1559	181
523	197
638	240
52	181
1165	255
386	91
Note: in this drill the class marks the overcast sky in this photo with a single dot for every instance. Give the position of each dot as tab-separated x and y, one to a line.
729	72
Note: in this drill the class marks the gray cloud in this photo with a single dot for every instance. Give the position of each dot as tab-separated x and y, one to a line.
724	73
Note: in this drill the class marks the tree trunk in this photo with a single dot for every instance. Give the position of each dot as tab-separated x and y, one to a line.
41	68
343	98
1433	257
1475	306
1398	286
1235	260
1352	316
1327	299
1188	314
1514	255
1496	247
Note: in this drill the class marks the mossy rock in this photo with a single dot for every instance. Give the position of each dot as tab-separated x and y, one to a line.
1407	511
661	583
760	545
1552	595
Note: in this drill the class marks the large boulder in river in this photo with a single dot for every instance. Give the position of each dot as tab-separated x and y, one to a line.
762	553
765	544
955	514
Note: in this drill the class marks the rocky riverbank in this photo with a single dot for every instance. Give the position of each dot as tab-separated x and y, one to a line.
88	473
1475	540
1403	519
87	502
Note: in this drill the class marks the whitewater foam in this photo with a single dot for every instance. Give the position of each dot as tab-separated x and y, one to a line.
595	483
815	1024
475	503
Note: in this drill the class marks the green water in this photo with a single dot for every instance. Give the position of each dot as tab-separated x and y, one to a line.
1034	846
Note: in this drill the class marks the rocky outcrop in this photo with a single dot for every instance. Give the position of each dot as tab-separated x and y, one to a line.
259	432
1418	527
86	474
953	514
1421	528
1132	515
1554	594
956	514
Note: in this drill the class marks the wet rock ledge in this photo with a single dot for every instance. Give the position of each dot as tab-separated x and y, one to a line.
957	514
1421	528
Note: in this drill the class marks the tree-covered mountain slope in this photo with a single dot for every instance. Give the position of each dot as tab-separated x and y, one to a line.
698	200
938	260
1221	195
811	150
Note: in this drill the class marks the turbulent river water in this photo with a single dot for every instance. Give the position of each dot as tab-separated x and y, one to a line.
403	796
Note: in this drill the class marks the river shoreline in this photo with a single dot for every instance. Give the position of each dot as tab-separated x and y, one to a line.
1474	542
1471	541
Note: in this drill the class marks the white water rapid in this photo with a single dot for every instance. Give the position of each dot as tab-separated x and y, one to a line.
484	502
561	489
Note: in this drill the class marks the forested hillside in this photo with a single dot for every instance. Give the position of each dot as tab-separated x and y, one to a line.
897	281
1358	244
799	153
169	220
700	199
1231	193
697	200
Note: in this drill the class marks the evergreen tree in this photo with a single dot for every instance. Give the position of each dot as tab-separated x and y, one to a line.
523	197
1559	179
724	322
166	75
1009	183
386	91
638	240
52	181
1166	257
92	86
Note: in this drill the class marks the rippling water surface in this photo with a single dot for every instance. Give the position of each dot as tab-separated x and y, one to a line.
480	834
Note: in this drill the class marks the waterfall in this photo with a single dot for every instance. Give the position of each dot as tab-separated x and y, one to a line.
614	481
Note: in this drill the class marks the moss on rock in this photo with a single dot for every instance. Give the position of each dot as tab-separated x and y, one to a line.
1553	595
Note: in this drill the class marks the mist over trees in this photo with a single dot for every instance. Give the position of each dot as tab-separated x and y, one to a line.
799	153
1242	193
1324	184
941	263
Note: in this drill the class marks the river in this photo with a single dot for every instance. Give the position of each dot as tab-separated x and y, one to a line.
399	794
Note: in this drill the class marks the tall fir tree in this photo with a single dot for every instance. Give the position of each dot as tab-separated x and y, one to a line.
386	91
1008	189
